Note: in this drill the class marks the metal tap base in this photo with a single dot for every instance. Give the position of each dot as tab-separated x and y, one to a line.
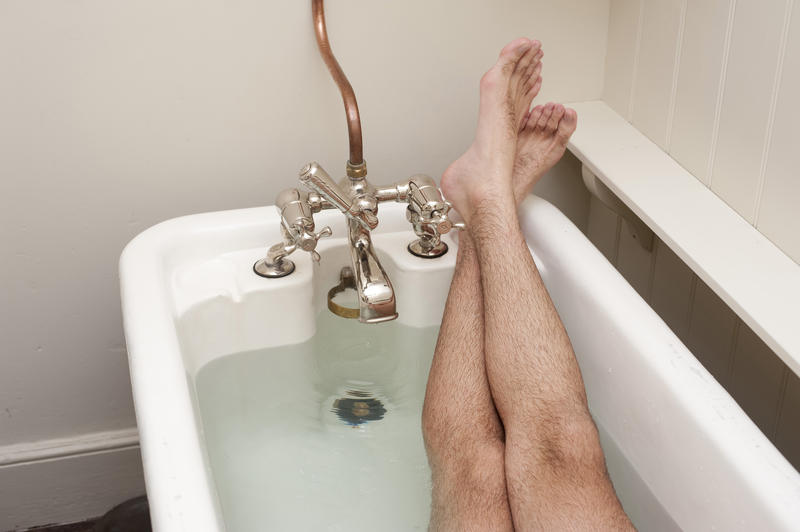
427	252
274	270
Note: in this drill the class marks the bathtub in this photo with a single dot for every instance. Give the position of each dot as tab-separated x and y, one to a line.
680	452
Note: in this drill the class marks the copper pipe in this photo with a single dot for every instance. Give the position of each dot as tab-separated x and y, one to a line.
348	96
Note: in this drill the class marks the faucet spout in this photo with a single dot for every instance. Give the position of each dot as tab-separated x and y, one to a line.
375	293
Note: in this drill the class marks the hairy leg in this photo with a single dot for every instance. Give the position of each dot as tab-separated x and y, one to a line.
458	370
463	434
555	469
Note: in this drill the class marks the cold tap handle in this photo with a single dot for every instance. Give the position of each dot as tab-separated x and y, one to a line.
444	220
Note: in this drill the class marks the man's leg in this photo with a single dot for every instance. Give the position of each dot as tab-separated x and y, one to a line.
463	434
555	469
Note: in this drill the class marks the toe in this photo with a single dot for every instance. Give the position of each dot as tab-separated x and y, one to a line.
526	97
533	119
545	116
523	85
517	80
535	76
555	118
511	55
534	90
512	47
530	76
527	59
567	125
524	121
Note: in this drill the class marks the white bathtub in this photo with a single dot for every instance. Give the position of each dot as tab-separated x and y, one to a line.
680	451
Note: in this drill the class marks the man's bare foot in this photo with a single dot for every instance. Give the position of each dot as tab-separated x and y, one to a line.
484	170
542	140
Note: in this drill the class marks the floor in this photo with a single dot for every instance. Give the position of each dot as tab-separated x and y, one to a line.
85	526
130	516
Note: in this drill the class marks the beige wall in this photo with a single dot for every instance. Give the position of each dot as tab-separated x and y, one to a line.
117	115
715	84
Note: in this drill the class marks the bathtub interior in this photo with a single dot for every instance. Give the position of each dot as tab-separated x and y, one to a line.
223	310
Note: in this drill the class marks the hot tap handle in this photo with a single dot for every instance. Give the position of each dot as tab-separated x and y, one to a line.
326	232
308	240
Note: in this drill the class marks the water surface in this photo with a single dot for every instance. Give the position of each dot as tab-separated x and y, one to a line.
322	435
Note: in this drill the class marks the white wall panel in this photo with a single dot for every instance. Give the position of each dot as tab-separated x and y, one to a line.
672	289
788	433
711	332
778	216
603	229
698	84
756	379
726	108
623	27
746	103
654	74
634	262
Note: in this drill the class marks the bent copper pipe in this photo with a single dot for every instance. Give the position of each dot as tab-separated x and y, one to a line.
348	96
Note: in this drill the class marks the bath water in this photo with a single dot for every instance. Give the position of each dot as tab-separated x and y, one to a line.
322	435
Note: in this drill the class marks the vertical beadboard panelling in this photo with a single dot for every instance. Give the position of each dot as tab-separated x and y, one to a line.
672	289
756	379
777	217
711	332
621	54
747	368
634	262
661	22
697	89
563	187
746	102
787	436
603	229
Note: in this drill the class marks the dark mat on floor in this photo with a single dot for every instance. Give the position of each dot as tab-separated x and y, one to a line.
131	516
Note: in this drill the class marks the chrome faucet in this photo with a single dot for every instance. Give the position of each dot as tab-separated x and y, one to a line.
358	200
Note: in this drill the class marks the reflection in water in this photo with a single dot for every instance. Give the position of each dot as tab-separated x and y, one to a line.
358	410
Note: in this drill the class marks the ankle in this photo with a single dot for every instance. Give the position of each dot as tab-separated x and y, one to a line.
494	208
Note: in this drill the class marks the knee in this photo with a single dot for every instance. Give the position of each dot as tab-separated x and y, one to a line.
560	443
447	430
479	468
435	428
